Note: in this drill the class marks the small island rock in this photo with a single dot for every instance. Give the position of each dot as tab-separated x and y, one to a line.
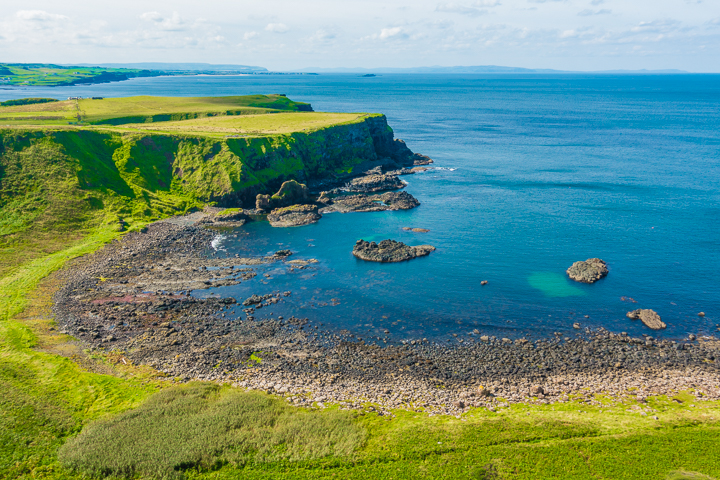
649	317
389	251
589	271
294	216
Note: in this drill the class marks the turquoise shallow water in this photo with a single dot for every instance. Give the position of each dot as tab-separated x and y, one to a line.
535	172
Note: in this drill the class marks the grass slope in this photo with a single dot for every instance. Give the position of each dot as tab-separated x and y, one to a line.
66	413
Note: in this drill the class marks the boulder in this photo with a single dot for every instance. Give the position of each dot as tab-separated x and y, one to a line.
589	271
649	317
294	216
389	251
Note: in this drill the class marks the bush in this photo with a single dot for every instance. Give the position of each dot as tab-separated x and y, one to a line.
26	101
203	427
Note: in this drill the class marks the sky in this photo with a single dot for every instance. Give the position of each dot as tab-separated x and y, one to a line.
285	35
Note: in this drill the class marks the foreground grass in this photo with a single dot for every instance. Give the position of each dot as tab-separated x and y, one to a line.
202	427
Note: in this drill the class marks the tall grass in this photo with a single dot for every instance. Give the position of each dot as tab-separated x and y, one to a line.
203	427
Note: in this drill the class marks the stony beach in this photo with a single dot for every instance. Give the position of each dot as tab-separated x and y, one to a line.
131	298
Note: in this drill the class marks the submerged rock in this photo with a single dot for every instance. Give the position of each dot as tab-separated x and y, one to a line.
294	216
649	317
389	251
589	271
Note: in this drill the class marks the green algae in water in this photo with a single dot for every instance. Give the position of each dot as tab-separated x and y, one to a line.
553	284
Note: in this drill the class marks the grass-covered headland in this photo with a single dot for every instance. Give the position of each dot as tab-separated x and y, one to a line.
99	168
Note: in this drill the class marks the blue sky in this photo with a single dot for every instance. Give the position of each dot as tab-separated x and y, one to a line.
283	35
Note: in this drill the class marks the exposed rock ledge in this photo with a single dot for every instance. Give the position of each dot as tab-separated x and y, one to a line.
294	216
369	203
374	183
589	271
389	251
649	317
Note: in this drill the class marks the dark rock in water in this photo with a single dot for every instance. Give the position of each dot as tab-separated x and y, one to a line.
374	183
416	230
253	300
589	271
283	253
649	317
372	203
419	159
290	193
294	216
389	251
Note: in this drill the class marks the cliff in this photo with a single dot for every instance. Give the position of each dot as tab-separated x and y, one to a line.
65	181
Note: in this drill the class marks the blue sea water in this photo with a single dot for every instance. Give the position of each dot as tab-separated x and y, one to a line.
533	173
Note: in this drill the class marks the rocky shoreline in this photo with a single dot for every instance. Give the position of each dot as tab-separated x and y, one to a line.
132	298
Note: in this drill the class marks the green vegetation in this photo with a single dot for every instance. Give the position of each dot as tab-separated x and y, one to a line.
37	74
26	101
60	183
203	427
134	110
65	413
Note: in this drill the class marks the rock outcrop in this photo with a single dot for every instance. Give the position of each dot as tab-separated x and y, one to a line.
369	203
290	193
589	271
374	183
649	317
294	216
389	251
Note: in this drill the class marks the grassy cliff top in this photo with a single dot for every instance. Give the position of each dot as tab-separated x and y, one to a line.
252	125
144	109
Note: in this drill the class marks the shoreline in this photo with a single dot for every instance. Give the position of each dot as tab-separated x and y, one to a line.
125	299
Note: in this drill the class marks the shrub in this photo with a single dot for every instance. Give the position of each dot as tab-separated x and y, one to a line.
203	427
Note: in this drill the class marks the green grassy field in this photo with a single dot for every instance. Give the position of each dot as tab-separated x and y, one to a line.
133	110
54	75
68	413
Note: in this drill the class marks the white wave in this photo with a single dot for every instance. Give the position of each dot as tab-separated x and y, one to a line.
216	243
445	168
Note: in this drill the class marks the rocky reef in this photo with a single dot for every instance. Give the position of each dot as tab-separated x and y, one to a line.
389	251
589	271
369	203
294	216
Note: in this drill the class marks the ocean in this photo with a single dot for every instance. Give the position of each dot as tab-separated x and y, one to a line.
532	173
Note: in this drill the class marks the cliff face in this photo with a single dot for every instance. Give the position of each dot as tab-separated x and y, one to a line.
143	176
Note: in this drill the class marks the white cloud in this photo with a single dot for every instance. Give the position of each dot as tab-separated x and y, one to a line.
171	24
589	13
39	16
277	28
250	35
322	36
394	32
473	9
597	2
